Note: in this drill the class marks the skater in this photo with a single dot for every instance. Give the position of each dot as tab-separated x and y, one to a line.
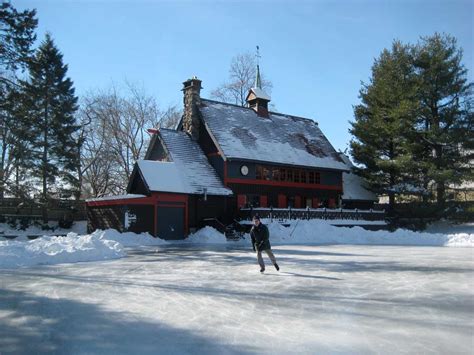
261	242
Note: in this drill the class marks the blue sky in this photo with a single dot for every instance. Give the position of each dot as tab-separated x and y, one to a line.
316	53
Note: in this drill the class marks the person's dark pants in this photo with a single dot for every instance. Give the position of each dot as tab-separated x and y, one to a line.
260	259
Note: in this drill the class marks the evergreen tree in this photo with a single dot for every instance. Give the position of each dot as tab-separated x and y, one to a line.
23	135
414	126
445	119
384	120
52	105
16	37
7	139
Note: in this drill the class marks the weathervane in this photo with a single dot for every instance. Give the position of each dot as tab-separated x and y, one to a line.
258	55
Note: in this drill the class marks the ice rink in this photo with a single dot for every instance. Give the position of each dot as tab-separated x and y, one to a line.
211	299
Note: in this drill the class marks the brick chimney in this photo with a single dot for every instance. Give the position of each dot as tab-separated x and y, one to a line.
191	100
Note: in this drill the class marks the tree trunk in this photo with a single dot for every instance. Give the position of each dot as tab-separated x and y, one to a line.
426	195
3	163
80	178
440	188
391	195
440	194
17	181
391	201
2	184
45	168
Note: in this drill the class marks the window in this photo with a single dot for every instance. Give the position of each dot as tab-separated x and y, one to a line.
253	200
287	175
266	173
276	174
291	201
296	176
317	179
303	177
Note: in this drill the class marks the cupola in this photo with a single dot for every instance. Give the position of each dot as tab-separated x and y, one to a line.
257	99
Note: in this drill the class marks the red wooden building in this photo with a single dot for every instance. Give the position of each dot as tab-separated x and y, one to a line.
220	158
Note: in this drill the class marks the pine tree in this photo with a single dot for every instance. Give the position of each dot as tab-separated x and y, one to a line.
15	136
7	125
445	120
16	38
52	105
384	120
414	127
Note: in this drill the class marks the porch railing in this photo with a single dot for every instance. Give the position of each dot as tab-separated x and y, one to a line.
312	213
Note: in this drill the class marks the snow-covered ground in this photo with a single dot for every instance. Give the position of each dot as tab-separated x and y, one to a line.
211	299
104	245
56	250
321	232
79	227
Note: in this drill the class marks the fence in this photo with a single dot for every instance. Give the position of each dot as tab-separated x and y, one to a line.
14	208
313	213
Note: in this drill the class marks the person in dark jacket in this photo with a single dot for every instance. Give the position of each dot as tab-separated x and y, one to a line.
261	242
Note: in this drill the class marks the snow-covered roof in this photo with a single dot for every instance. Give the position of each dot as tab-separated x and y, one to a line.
259	93
115	197
162	176
354	186
188	172
282	139
465	185
406	188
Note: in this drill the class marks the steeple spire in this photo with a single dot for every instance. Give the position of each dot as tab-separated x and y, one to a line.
258	80
257	99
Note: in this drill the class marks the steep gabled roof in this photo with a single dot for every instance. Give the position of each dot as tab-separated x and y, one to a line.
281	139
354	186
259	94
188	171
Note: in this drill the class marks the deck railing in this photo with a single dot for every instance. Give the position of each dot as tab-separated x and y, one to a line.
312	213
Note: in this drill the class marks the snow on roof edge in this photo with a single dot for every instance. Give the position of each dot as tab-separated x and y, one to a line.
115	197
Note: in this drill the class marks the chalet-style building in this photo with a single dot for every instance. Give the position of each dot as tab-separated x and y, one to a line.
223	157
356	193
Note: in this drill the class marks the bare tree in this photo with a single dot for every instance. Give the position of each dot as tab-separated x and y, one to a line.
115	136
96	162
170	117
242	74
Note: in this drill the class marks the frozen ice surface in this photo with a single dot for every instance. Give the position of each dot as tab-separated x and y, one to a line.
211	299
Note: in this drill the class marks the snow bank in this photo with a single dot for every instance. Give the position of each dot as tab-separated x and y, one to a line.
207	235
315	232
79	227
320	232
48	250
109	244
448	227
129	239
55	250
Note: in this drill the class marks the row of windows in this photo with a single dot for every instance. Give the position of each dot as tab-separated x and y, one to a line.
287	175
252	200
